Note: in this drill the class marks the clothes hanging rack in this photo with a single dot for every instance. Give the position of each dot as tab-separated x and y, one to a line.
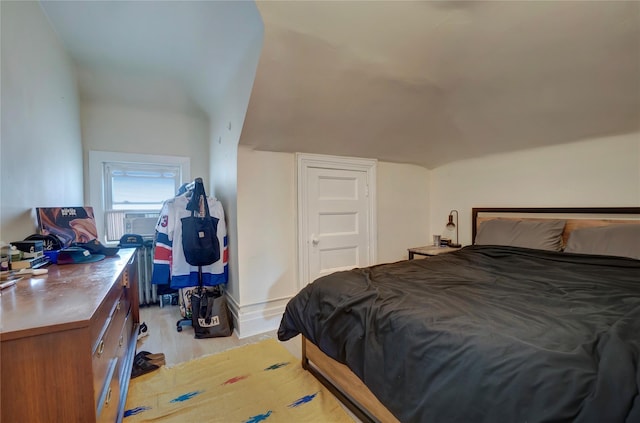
186	321
190	201
193	203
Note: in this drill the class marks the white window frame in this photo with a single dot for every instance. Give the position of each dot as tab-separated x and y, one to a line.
96	176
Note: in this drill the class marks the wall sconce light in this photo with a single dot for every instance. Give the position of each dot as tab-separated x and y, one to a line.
453	225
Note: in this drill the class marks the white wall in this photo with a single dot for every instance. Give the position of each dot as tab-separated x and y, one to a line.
266	235
226	124
224	186
41	153
403	209
126	129
600	172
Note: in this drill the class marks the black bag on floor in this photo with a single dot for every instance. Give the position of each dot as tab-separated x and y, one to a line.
210	315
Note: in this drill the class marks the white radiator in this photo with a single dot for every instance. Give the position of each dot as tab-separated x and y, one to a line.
148	292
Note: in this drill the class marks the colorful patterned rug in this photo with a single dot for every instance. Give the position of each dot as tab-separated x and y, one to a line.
259	382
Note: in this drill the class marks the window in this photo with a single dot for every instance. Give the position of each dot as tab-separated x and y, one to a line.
137	186
131	189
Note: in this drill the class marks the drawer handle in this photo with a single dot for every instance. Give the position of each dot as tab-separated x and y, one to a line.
121	340
118	306
108	399
101	347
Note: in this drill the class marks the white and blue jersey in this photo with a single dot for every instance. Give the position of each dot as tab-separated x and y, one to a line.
169	263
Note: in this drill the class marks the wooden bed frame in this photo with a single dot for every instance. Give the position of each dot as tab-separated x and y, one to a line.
352	392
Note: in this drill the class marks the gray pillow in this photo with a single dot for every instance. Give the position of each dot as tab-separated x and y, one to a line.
615	240
545	235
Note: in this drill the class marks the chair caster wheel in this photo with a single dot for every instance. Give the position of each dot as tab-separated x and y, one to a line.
179	328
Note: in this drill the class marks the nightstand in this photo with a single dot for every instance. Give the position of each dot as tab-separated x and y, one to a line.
430	250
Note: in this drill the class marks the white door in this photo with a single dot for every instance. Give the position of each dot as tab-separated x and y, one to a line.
337	217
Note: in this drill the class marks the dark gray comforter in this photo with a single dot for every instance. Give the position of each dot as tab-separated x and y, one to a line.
485	334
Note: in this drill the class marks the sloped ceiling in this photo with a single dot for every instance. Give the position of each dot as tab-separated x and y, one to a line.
424	82
172	55
433	82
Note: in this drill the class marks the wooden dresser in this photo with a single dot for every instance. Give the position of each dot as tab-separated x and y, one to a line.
67	342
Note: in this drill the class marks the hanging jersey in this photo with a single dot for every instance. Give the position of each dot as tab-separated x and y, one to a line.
169	263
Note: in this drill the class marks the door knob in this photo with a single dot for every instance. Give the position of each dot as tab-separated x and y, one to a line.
314	239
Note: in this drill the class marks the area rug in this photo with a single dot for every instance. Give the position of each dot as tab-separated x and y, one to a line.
259	382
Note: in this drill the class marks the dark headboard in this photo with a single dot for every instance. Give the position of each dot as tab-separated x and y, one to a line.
576	217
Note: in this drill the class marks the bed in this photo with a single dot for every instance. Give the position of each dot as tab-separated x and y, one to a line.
538	321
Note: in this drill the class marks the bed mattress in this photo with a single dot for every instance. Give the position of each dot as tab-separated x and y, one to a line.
484	334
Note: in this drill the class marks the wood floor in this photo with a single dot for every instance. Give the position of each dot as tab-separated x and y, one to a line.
182	346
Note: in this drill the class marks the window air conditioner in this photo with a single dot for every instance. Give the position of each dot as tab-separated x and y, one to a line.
141	223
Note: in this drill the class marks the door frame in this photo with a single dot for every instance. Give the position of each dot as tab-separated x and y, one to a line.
306	161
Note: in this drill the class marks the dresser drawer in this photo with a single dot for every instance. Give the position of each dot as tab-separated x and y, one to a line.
123	370
109	398
120	314
103	314
109	344
125	337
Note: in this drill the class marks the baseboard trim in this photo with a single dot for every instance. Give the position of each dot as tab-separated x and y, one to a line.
257	318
